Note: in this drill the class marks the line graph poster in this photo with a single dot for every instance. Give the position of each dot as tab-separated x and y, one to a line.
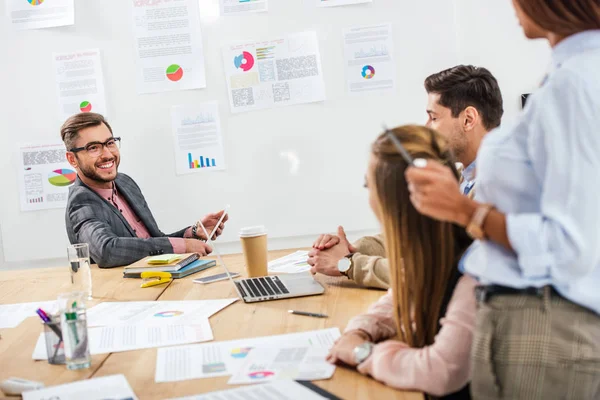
44	176
368	52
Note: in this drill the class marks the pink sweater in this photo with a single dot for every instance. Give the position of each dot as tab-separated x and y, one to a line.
439	369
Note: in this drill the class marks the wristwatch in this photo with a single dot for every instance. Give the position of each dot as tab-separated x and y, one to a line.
362	352
344	264
475	227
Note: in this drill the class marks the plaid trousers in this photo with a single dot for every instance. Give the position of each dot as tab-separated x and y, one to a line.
535	348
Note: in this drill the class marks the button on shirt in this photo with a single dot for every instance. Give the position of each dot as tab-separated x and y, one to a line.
543	172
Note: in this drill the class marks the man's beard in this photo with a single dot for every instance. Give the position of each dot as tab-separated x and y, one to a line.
90	172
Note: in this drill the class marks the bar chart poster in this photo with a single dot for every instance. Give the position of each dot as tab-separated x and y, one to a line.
197	138
44	176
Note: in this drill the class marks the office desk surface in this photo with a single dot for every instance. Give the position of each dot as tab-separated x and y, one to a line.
341	301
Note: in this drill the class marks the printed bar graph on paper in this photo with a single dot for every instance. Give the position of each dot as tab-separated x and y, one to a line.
201	162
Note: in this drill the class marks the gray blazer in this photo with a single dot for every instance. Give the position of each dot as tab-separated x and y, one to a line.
94	220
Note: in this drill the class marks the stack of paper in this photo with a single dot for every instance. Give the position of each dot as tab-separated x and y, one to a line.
12	315
291	264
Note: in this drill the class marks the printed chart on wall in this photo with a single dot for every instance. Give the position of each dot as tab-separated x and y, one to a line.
79	83
334	3
168	45
274	73
369	58
197	136
44	176
233	7
34	14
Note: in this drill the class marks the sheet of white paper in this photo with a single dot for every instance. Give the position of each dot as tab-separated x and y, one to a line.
197	137
225	358
106	387
34	14
233	7
44	176
118	338
79	83
265	364
168	45
291	264
369	58
280	390
334	3
11	315
154	312
274	73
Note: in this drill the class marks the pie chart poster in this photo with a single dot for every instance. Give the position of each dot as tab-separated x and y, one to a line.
44	176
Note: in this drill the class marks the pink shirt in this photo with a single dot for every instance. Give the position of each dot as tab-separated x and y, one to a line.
439	369
140	230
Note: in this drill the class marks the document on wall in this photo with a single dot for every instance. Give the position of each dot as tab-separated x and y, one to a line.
280	390
274	73
197	138
334	3
79	83
44	176
119	338
11	315
106	387
154	312
369	58
168	45
226	358
291	264
35	14
236	7
265	364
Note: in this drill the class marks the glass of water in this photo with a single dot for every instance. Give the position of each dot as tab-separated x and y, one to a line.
79	266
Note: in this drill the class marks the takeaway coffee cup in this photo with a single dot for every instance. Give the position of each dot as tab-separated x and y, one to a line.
254	245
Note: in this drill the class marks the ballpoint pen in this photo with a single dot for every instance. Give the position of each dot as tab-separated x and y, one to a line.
308	314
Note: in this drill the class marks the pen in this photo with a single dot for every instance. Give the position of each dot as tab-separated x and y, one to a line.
48	321
308	314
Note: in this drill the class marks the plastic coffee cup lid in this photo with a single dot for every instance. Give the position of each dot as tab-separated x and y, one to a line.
252	231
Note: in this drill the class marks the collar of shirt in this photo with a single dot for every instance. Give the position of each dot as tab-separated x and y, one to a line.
573	45
469	173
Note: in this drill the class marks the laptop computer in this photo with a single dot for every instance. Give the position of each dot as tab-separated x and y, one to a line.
272	287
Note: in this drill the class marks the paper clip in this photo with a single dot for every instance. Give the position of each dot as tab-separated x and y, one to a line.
153	278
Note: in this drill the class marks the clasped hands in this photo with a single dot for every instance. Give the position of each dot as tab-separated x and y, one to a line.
327	251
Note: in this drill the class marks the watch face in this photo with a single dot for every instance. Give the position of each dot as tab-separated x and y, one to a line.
362	352
344	264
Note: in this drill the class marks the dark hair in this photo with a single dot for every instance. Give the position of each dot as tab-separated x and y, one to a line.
69	131
465	85
563	17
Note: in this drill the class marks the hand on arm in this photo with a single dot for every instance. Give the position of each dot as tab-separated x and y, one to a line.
343	349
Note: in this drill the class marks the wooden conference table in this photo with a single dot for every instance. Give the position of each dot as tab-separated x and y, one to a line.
342	300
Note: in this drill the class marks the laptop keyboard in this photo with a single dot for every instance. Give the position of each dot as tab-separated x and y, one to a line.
262	287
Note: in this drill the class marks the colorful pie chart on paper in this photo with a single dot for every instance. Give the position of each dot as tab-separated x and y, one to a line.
35	2
260	375
368	72
168	314
174	72
62	177
85	106
244	61
240	352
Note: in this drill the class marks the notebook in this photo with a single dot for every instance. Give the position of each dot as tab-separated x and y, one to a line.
143	264
192	268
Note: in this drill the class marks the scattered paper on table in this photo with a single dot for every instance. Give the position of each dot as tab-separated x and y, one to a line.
233	7
280	390
291	264
44	176
34	14
197	137
79	83
333	3
11	315
274	73
106	387
225	358
118	338
168	45
154	312
265	364
369	58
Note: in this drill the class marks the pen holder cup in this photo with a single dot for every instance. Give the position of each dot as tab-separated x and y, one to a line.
54	343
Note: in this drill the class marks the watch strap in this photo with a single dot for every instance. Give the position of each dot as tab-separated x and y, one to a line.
475	227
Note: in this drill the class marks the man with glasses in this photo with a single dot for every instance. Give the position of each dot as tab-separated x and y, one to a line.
107	209
464	104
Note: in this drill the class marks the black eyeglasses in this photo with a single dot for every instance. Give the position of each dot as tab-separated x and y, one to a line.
409	160
94	149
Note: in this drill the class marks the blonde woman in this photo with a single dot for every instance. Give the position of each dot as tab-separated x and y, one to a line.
418	336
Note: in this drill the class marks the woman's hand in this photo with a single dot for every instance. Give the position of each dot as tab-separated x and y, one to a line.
343	349
435	192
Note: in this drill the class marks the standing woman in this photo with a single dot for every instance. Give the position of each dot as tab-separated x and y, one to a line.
536	216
